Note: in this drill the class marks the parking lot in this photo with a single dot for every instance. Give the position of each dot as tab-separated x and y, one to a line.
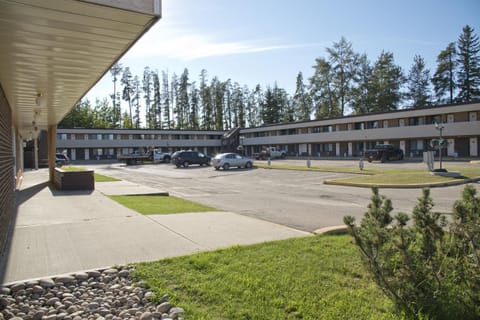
296	199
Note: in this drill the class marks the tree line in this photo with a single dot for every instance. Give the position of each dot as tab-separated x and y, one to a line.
343	82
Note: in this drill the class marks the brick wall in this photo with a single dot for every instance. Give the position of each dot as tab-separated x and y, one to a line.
7	195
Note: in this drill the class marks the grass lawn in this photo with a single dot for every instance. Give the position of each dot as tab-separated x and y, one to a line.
379	177
96	176
155	204
318	277
406	177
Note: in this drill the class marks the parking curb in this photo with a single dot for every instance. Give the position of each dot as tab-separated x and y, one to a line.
402	186
340	229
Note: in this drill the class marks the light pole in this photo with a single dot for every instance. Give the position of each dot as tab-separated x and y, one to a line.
440	127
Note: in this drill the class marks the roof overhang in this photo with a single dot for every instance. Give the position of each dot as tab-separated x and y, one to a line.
53	51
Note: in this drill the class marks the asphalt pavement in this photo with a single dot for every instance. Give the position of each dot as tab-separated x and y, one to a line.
58	232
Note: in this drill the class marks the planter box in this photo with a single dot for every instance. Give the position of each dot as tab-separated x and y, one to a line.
73	180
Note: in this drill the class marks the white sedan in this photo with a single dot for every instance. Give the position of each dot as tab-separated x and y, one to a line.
228	160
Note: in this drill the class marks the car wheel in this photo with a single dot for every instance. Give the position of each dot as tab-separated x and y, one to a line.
186	164
166	159
178	165
226	166
216	168
248	165
384	158
369	159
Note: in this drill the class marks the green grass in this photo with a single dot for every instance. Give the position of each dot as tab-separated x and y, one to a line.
157	204
407	177
379	177
96	176
102	178
319	277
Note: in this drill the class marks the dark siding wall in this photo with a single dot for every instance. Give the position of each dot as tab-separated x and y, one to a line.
6	171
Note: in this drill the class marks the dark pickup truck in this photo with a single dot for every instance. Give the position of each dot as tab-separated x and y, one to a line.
384	152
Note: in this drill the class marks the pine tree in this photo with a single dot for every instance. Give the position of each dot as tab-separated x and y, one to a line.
157	101
254	107
136	101
362	97
386	81
322	91
418	84
193	118
115	71
147	87
165	101
172	115
468	59
206	102
344	64
301	101
444	78
183	104
128	91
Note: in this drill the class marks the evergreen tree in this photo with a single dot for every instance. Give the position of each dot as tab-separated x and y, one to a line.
343	62
386	81
301	102
418	84
444	78
128	91
468	59
193	118
228	112
218	90
362	99
165	101
136	101
206	102
253	108
238	106
104	114
115	71
157	101
323	93
173	102
81	116
183	104
147	87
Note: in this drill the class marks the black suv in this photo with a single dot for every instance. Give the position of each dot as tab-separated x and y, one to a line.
186	158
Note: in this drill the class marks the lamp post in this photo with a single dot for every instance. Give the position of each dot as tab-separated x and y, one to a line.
440	128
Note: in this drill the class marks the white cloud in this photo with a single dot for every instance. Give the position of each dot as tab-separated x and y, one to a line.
190	45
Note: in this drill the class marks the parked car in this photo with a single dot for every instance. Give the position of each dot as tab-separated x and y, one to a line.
384	152
61	159
228	160
186	158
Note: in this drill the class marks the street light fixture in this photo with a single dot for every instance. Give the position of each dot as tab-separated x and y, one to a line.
440	128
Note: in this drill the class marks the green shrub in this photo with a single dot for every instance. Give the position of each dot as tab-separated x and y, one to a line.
430	269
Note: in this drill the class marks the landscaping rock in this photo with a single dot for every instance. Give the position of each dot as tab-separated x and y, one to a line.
98	294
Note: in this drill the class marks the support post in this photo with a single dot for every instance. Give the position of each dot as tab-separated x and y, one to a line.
52	142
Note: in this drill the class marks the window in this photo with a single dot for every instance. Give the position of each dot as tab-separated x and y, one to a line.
372	125
359	126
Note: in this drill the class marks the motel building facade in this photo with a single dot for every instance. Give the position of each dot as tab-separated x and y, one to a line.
411	130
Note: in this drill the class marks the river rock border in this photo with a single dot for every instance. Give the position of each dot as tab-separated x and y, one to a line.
109	294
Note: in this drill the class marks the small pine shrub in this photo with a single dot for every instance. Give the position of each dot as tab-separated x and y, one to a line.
429	268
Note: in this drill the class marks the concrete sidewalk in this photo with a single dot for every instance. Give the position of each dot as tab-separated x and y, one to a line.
59	232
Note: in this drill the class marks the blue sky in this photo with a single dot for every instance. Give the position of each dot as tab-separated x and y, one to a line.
265	41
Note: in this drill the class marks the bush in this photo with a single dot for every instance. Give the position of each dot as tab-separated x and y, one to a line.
429	268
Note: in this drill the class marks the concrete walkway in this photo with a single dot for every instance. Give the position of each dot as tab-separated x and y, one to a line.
59	232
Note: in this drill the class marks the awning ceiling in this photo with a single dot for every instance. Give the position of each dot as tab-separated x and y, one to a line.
60	48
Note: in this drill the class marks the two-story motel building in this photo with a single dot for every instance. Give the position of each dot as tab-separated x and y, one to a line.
412	130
